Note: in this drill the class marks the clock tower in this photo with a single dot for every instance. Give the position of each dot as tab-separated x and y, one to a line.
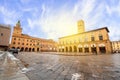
81	26
17	29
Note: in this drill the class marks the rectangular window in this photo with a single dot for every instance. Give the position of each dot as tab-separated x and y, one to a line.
101	37
92	39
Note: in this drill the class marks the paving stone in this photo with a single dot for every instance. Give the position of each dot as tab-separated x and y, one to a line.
60	67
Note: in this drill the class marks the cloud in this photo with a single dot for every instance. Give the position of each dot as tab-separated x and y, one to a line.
31	23
58	21
112	9
114	31
43	10
9	16
25	1
64	21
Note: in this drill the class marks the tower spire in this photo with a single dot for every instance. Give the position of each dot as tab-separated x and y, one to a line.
18	24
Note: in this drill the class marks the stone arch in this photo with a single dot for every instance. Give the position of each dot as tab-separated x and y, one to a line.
80	48
102	48
26	49
18	47
30	49
13	47
75	49
22	49
37	49
59	48
66	49
33	49
70	49
93	48
86	48
101	45
62	49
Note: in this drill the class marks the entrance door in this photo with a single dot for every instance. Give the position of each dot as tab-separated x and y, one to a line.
62	50
75	49
93	49
66	49
86	50
70	49
80	49
33	49
26	49
22	49
30	49
102	49
37	49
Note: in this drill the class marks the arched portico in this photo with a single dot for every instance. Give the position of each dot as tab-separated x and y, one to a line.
30	49
22	49
93	48
13	47
102	48
80	48
66	48
37	49
70	49
26	49
86	48
33	49
75	49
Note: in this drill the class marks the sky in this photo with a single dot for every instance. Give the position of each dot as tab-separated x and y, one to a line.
52	19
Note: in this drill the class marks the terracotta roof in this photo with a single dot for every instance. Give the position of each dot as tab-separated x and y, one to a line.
99	29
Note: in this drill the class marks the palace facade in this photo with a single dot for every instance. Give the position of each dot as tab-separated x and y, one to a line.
91	42
25	42
116	46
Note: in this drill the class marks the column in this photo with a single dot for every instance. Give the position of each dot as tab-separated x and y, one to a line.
97	48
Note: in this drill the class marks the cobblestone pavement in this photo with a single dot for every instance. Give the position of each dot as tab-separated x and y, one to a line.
11	67
58	67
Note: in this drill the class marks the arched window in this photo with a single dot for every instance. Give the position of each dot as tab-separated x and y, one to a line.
13	42
14	38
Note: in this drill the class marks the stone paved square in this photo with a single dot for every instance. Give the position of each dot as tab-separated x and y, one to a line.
48	66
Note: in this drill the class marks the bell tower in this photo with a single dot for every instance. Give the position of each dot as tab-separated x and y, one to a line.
17	29
81	26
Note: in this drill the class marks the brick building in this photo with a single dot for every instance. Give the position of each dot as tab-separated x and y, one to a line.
5	32
27	43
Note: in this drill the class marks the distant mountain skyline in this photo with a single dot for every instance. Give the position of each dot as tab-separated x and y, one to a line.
52	19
